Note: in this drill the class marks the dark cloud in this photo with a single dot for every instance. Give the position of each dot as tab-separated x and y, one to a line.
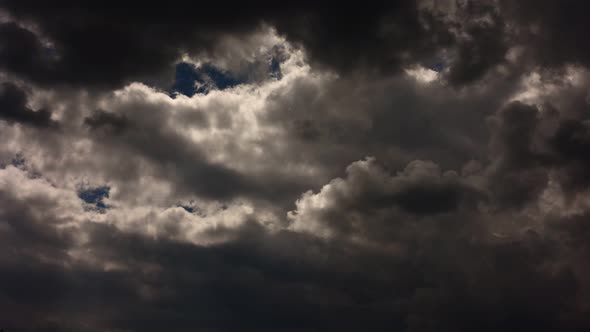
532	145
482	45
107	45
13	108
101	45
101	119
518	177
444	280
378	37
25	56
372	204
570	143
77	46
550	30
197	180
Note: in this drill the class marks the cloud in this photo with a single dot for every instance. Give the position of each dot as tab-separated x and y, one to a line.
391	202
383	39
427	283
13	108
112	122
473	37
540	142
163	168
550	32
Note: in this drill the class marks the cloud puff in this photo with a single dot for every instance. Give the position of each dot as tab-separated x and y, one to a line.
392	202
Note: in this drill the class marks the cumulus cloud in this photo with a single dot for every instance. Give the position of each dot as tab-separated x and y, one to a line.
409	166
419	191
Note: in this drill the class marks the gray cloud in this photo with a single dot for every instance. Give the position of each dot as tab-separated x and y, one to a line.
148	284
254	206
374	205
13	108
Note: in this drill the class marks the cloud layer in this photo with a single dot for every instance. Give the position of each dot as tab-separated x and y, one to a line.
410	166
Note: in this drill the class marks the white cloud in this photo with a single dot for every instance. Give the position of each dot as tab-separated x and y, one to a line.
422	75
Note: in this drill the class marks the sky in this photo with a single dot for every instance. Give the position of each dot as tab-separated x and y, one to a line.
412	166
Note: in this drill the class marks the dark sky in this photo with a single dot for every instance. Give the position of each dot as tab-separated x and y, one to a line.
412	166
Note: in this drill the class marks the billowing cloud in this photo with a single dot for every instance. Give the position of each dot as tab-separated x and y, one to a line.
420	191
410	166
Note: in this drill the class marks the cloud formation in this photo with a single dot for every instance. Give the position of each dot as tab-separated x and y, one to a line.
410	166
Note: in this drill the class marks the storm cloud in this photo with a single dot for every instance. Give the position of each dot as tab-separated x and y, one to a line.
405	166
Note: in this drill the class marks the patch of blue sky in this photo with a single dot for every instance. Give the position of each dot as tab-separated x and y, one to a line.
191	79
94	197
